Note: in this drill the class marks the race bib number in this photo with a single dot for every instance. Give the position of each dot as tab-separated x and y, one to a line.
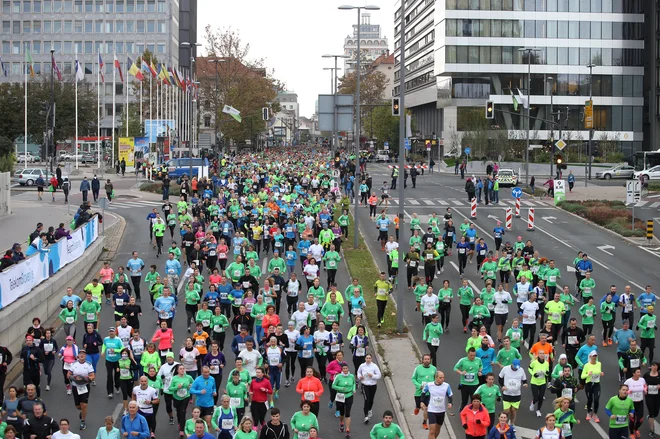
490	273
653	389
567	393
429	257
334	348
650	324
182	392
307	353
218	328
382	292
552	279
589	313
69	320
513	385
435	341
595	378
469	377
48	348
237	274
413	264
67	366
241	346
556	316
124	373
360	352
634	363
246	284
227	424
222	255
515	336
501	308
566	429
211	252
303	434
332	264
621	419
234	402
82	389
309	396
340	397
572	339
91	316
215	370
206	323
637	396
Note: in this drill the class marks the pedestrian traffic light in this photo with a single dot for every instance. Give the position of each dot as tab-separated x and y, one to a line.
559	161
395	107
265	113
490	110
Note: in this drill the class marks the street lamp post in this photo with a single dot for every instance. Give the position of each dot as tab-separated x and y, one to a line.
550	79
335	141
529	103
402	154
189	104
587	163
357	109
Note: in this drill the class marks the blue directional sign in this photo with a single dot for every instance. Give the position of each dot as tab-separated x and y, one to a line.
468	150
406	143
516	192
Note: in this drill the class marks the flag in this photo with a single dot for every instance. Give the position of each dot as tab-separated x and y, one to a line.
3	70
80	71
148	68
153	70
162	75
515	101
173	79
101	66
56	69
28	60
233	112
118	67
523	100
133	70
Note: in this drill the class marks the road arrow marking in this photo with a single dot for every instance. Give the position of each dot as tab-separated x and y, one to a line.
570	269
493	217
548	218
604	248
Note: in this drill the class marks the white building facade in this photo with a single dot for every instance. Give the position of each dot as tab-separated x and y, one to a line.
372	44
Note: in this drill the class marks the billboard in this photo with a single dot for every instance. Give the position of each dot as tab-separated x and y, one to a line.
141	145
127	150
158	127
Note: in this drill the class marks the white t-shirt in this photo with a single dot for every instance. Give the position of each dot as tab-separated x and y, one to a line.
300	317
69	435
311	271
429	304
636	389
320	338
512	380
293	337
144	398
529	309
250	360
391	246
438	396
316	250
522	291
502	299
81	369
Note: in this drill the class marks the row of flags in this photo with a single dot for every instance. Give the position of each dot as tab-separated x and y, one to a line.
166	75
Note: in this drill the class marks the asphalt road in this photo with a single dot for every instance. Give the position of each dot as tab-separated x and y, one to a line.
557	236
136	238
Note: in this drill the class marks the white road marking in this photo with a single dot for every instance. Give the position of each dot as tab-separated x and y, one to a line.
429	202
472	284
456	202
641	203
115	413
414	202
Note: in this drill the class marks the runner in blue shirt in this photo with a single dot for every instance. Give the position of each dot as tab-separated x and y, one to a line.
383	224
498	233
134	267
646	299
165	307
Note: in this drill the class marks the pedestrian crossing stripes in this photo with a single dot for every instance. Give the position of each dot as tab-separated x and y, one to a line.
119	204
648	204
435	202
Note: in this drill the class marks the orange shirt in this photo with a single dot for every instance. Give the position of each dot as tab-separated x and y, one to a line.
200	342
539	347
312	384
373	200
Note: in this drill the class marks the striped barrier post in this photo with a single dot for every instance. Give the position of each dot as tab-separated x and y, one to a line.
517	207
509	218
530	219
473	209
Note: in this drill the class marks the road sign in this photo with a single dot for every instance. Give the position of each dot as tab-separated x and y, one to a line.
386	145
560	144
560	191
406	143
467	151
103	203
588	114
516	192
428	145
633	191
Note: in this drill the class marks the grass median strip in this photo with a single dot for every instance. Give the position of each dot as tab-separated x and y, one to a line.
362	265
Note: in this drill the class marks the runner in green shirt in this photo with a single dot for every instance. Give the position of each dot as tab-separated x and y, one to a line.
237	390
151	277
422	375
386	429
90	309
588	312
382	290
469	369
619	409
552	275
466	296
587	286
490	393
508	353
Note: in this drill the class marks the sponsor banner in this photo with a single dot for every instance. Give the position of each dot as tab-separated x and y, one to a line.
127	150
18	280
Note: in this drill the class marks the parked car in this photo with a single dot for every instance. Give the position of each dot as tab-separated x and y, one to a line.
28	176
648	174
507	177
382	155
179	167
21	157
620	171
69	157
88	158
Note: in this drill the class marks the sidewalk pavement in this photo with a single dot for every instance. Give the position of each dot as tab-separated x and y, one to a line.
595	192
26	214
400	357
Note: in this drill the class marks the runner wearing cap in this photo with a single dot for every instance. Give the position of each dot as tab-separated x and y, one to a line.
512	378
591	373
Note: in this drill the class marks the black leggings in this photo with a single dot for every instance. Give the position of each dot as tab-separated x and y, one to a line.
126	387
537	395
429	273
290	364
169	399
433	350
410	273
608	328
588	329
650	344
322	360
465	314
304	364
372	210
593	396
291	304
466	394
259	410
462	262
445	313
369	393
181	405
135	280
529	329
48	368
638	420
382	304
113	376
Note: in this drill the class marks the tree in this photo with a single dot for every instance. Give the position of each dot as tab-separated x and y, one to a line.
243	83
385	127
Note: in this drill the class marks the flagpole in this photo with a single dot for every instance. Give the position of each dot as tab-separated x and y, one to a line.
76	80
114	108
25	134
127	102
152	118
140	102
98	114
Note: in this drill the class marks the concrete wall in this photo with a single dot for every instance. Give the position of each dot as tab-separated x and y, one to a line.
44	300
5	194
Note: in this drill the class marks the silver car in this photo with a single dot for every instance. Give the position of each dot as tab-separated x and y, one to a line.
28	176
620	171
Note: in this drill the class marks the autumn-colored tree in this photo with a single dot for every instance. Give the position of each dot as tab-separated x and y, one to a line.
242	83
372	88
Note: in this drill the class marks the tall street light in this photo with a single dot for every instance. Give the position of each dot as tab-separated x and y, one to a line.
357	108
551	81
529	103
217	97
190	121
332	78
402	155
335	142
587	166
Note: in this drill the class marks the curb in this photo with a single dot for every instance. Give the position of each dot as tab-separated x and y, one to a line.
389	384
611	232
121	224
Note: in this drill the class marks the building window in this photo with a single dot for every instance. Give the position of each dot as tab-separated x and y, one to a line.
6	7
207	121
151	26
109	27
16	47
57	6
16	28
89	6
98	26
162	28
98	6
161	48
27	6
140	6
36	27
162	6
78	26
57	27
110	6
119	47
6	47
68	26
79	6
6	27
119	26
130	27
151	48
129	47
68	6
130	6
140	26
89	47
27	27
37	7
48	27
68	47
151	6
16	9
89	26
77	47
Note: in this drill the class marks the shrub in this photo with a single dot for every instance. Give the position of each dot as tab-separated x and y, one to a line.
155	188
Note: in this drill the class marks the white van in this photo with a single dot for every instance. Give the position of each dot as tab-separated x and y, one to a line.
382	156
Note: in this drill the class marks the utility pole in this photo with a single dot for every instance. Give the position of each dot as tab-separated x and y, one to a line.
590	126
400	296
51	143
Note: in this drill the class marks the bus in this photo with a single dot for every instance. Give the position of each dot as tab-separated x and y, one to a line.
644	160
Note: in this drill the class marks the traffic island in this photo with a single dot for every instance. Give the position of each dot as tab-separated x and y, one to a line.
612	215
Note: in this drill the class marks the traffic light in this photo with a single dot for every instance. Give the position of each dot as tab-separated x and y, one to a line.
265	113
559	161
395	107
490	110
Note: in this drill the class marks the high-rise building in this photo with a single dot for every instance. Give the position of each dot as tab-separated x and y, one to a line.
420	83
372	44
480	54
89	28
187	31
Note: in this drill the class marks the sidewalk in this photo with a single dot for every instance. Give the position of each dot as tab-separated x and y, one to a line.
26	214
400	357
594	192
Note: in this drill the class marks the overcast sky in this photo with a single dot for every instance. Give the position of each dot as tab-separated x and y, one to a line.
292	35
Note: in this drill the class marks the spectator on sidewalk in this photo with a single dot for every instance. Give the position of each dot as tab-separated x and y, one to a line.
96	187
109	190
84	188
7	260
17	252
